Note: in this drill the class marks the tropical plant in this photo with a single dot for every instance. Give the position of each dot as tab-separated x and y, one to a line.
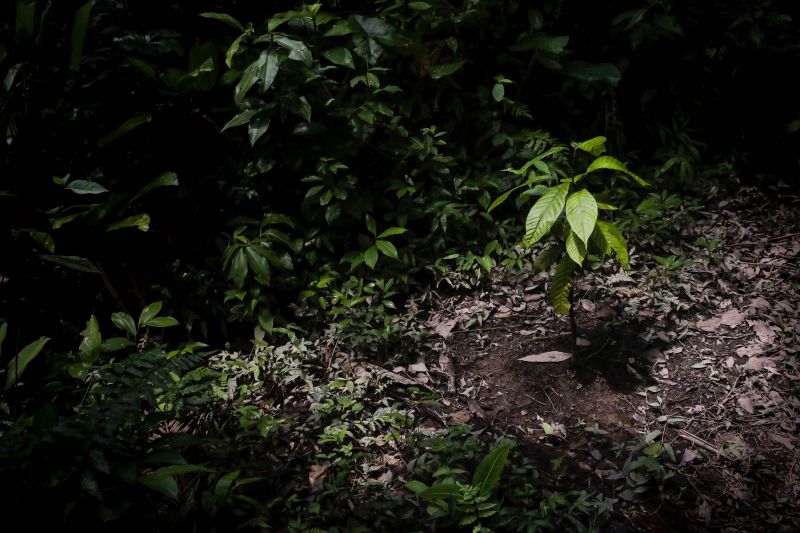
566	215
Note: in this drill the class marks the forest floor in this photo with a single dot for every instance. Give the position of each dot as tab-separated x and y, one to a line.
698	353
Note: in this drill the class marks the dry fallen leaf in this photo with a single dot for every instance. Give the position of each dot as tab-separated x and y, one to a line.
460	417
757	363
316	475
746	404
588	306
731	318
546	357
786	441
444	329
765	333
750	350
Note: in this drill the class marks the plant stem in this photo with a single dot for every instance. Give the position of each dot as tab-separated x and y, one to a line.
572	321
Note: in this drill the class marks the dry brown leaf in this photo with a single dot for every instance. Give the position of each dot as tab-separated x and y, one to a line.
460	417
316	475
765	333
588	306
757	363
546	357
786	441
444	329
746	404
750	350
731	318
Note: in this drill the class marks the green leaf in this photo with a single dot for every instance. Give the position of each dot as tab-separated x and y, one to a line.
582	213
223	486
371	256
386	248
167	179
594	146
25	20
126	127
488	472
298	50
610	163
43	238
257	128
224	17
612	236
547	43
240	119
498	92
250	76
86	187
90	344
440	71
232	49
394	230
545	259
560	285
80	264
592	72
576	249
161	483
340	56
441	491
18	364
3	331
270	71
140	222
125	322
162	322
238	269
79	28
258	263
544	213
172	470
607	207
115	344
416	486
150	312
419	6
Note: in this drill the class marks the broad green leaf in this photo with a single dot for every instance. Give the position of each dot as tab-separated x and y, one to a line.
394	230
595	146
257	128
371	256
161	322
140	222
298	50
340	56
150	312
610	163
164	484
615	241
576	249
547	257
548	43
90	344
79	28
592	72
240	119
441	491
545	212
270	71
232	49
115	344
416	486
419	6
80	264
582	213
258	264
250	76
488	472
86	187
498	92
386	248
16	367
167	179
224	17
172	470
238	270
440	71
340	28
131	124
607	207
125	322
538	159
43	238
223	486
560	285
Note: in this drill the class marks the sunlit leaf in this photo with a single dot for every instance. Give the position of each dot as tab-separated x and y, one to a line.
544	213
16	367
